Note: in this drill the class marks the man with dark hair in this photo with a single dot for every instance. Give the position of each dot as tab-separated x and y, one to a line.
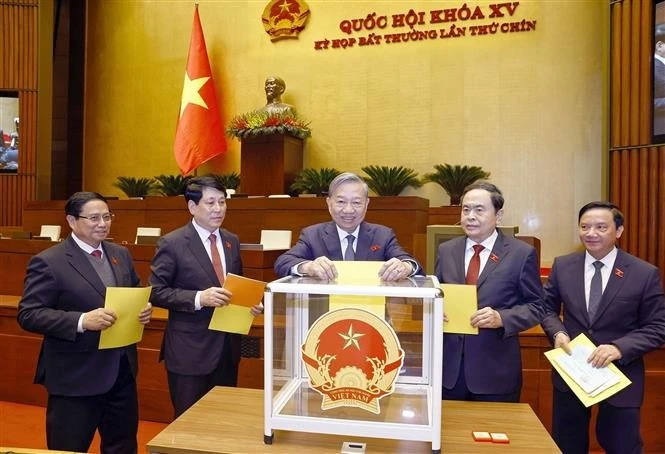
617	301
320	244
188	272
487	366
65	288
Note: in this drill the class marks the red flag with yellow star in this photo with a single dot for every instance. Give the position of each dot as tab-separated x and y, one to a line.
199	135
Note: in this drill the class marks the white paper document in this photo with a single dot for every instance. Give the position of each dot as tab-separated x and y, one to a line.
592	380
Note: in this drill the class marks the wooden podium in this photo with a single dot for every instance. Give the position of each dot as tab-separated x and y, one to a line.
269	164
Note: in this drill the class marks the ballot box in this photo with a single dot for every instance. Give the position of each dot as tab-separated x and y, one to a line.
354	358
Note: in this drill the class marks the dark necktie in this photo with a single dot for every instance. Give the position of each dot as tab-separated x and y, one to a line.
97	254
474	265
348	253
596	290
216	258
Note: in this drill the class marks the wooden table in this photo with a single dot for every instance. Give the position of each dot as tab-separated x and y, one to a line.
230	420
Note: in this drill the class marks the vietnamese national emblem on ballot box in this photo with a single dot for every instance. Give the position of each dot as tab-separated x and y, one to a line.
352	358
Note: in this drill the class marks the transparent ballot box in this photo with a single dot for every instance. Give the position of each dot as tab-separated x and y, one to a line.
353	359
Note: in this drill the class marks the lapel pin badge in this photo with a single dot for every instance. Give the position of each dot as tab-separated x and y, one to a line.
375	247
227	244
114	260
494	258
618	272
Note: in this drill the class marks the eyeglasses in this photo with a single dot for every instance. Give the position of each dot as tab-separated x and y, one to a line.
97	218
355	204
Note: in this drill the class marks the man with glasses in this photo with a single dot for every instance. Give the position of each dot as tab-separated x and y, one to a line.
188	273
346	237
88	389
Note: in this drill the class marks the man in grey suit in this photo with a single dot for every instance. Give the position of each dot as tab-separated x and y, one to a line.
320	244
65	288
488	366
188	271
617	301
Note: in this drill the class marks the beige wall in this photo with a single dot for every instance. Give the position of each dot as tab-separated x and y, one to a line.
528	107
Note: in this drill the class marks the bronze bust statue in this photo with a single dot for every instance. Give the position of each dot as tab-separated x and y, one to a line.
274	88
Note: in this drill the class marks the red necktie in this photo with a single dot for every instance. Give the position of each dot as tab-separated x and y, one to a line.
474	265
216	259
97	254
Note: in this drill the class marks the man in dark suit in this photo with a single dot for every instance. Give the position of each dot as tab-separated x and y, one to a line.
320	244
188	272
659	86
63	299
617	301
487	366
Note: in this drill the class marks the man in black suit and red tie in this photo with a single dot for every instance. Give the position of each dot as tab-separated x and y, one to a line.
617	301
188	271
65	288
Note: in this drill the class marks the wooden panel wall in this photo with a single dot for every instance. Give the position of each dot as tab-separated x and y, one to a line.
18	72
637	166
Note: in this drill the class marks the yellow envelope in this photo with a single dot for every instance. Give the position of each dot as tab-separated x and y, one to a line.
358	272
585	398
232	318
127	303
460	301
236	316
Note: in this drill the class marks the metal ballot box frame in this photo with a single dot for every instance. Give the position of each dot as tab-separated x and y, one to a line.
414	309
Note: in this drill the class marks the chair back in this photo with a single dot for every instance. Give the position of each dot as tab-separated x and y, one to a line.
143	232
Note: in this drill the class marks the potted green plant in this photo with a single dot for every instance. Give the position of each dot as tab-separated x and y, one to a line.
312	181
171	185
136	187
454	178
390	181
228	180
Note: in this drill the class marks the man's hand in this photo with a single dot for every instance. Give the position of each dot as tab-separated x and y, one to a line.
257	310
603	355
321	267
145	314
561	340
486	318
215	297
395	270
98	319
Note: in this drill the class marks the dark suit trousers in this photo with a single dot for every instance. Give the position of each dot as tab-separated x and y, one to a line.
71	421
186	390
617	428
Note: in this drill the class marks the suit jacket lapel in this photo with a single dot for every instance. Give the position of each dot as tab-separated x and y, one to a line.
498	253
618	276
365	238
116	265
331	240
195	245
229	253
457	258
574	276
80	263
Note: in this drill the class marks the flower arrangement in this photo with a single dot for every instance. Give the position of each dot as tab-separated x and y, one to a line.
258	123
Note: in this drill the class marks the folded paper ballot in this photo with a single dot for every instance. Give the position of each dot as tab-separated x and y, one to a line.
236	316
591	385
127	303
460	302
